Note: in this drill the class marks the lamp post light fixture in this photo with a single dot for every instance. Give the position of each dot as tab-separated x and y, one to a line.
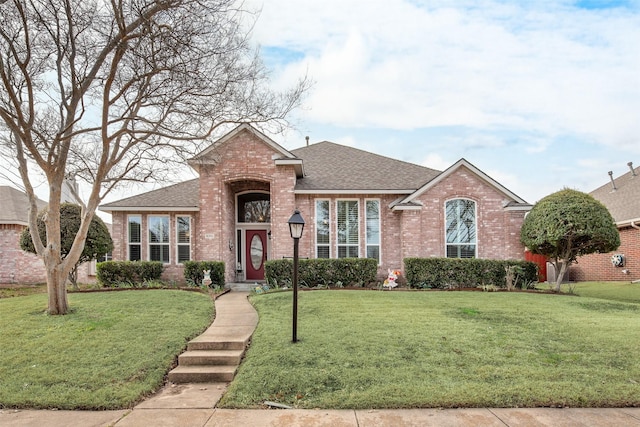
296	225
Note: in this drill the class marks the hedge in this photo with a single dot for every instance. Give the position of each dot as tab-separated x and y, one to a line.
449	273
114	273
322	272
194	272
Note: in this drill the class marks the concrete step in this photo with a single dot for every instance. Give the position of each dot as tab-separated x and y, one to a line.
202	374
198	344
210	357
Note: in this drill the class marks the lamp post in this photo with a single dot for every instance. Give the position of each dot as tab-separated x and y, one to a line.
296	225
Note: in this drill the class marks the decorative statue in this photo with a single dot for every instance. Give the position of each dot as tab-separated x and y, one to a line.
390	281
207	278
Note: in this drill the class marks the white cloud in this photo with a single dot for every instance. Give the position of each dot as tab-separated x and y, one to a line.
435	161
544	67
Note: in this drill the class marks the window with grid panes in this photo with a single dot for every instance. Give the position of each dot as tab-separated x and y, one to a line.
461	228
183	230
348	229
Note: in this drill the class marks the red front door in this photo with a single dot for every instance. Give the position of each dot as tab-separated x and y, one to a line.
256	253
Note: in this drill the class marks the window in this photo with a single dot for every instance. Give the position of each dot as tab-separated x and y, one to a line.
373	229
183	230
135	226
461	228
348	229
158	238
323	220
254	207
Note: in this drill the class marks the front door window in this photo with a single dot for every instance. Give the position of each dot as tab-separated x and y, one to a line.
256	254
257	251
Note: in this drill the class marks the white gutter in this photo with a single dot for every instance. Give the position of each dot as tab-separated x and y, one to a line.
635	223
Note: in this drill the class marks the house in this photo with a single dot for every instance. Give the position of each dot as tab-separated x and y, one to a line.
17	266
355	204
622	197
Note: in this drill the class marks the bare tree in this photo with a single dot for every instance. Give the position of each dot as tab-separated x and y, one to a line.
111	91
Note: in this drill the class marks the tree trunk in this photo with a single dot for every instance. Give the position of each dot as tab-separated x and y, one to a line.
56	281
560	275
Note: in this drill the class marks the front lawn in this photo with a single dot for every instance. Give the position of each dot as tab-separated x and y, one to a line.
617	291
368	349
115	347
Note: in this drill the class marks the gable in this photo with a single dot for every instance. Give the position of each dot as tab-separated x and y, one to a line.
510	201
222	150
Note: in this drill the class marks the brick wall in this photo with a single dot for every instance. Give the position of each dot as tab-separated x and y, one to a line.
119	234
17	266
598	267
498	229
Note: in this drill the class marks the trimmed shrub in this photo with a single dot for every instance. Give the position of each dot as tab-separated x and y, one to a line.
194	272
134	273
322	272
451	273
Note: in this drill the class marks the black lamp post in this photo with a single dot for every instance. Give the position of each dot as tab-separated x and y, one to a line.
296	225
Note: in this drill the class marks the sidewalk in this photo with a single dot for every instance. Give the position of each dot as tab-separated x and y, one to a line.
193	405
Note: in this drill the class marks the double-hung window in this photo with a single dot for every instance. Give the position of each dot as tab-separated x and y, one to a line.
461	228
134	237
348	229
323	234
158	238
183	231
373	229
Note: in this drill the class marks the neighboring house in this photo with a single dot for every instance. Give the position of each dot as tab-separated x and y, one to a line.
17	266
355	204
622	197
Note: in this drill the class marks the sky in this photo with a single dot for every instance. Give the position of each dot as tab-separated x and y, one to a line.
540	95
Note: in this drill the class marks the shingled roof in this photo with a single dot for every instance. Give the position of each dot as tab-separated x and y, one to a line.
624	201
183	196
334	168
14	206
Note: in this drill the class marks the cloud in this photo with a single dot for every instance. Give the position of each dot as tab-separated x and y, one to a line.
545	67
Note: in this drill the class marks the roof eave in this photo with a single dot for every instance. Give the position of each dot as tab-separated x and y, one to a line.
297	164
149	208
352	191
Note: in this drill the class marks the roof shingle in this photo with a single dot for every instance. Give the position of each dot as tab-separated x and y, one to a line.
182	195
624	201
334	167
14	206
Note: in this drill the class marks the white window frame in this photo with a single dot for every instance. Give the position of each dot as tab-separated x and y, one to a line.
348	245
328	244
180	244
166	244
366	220
475	225
129	242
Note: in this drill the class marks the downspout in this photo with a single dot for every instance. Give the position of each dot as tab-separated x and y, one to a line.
634	225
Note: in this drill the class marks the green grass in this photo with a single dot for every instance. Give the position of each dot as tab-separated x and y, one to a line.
617	291
22	290
367	349
113	349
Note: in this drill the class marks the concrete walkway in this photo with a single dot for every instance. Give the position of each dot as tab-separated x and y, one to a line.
194	405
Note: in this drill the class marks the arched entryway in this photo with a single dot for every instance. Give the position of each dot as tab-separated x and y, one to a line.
253	231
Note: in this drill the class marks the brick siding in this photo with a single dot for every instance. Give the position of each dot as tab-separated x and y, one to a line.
598	267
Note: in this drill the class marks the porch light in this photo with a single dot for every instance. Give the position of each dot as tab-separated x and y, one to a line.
296	225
